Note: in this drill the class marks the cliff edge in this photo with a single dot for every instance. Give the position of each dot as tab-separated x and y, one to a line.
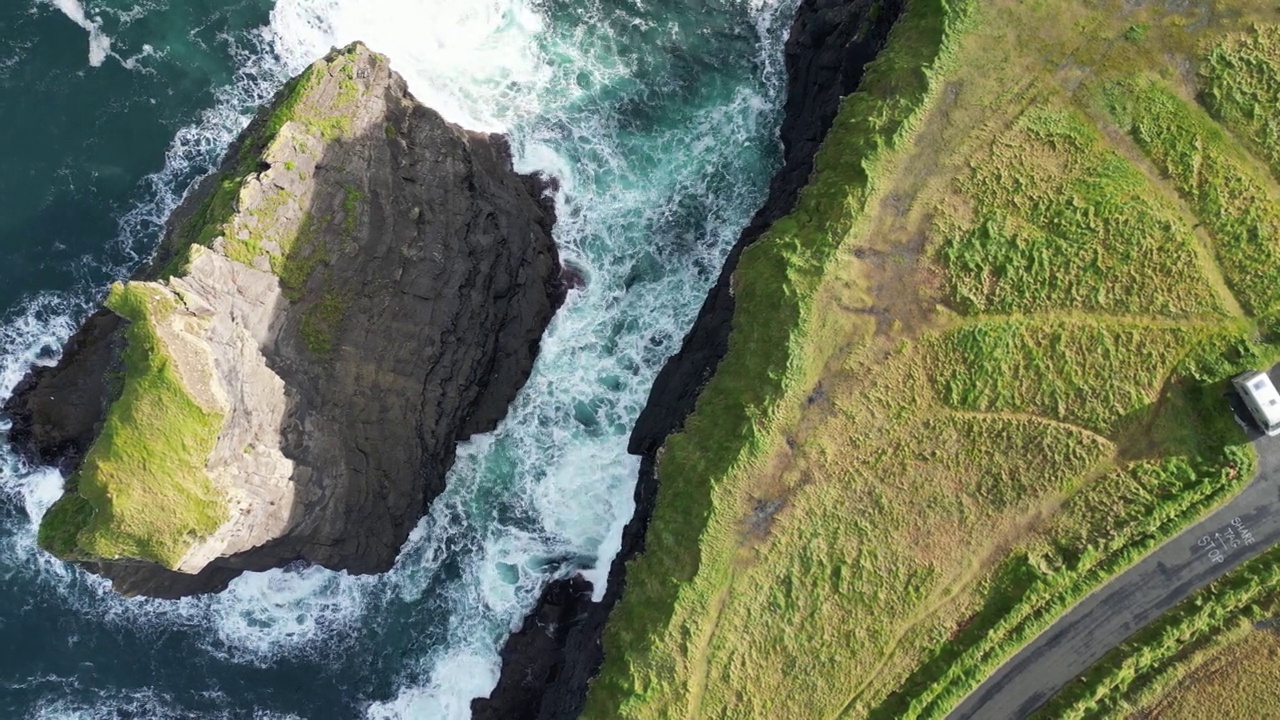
549	663
360	286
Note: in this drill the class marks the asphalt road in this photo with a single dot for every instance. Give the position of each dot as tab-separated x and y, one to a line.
1103	620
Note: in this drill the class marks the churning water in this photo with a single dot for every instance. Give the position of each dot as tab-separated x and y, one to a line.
658	117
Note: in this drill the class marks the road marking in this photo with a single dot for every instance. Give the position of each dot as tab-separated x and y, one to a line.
1221	542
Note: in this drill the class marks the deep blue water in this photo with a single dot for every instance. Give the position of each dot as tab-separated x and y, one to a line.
660	120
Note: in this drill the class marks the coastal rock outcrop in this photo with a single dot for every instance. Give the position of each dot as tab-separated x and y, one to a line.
359	287
548	664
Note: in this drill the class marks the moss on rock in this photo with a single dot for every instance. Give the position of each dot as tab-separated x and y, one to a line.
142	491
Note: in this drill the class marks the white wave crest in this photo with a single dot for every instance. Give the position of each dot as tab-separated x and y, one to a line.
100	43
476	62
456	678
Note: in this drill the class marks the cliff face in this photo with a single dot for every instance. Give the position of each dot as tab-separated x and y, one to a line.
549	663
359	287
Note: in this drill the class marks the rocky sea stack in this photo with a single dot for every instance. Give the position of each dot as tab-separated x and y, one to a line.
360	286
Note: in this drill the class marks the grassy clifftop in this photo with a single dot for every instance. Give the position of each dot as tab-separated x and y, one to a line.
1214	654
977	372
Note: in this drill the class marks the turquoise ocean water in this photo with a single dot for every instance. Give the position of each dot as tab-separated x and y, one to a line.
658	117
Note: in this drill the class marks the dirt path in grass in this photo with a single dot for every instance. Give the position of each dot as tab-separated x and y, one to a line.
1241	529
702	662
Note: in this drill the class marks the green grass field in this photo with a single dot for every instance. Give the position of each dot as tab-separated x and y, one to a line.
1215	654
1229	193
1240	82
652	667
1057	220
976	373
1089	373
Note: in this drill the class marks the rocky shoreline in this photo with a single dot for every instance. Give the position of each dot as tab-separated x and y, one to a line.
360	286
548	664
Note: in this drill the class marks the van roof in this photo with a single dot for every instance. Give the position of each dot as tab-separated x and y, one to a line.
1264	393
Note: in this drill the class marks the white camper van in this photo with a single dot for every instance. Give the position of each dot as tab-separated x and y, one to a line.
1261	397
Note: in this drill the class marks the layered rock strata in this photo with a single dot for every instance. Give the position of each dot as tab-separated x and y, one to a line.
548	664
358	288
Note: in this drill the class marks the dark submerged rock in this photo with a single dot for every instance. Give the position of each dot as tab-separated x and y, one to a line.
546	677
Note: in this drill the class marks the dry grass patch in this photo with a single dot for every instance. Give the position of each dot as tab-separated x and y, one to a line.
866	550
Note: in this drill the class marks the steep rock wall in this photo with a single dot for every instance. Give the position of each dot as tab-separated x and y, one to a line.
549	663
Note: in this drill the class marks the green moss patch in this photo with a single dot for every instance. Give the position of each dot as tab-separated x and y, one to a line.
142	491
321	322
298	103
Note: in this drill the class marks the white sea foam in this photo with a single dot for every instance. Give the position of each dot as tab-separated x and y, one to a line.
126	16
100	43
458	676
15	53
549	492
474	62
263	613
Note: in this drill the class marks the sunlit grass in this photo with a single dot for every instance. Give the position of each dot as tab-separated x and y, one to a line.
1059	221
142	491
1229	196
